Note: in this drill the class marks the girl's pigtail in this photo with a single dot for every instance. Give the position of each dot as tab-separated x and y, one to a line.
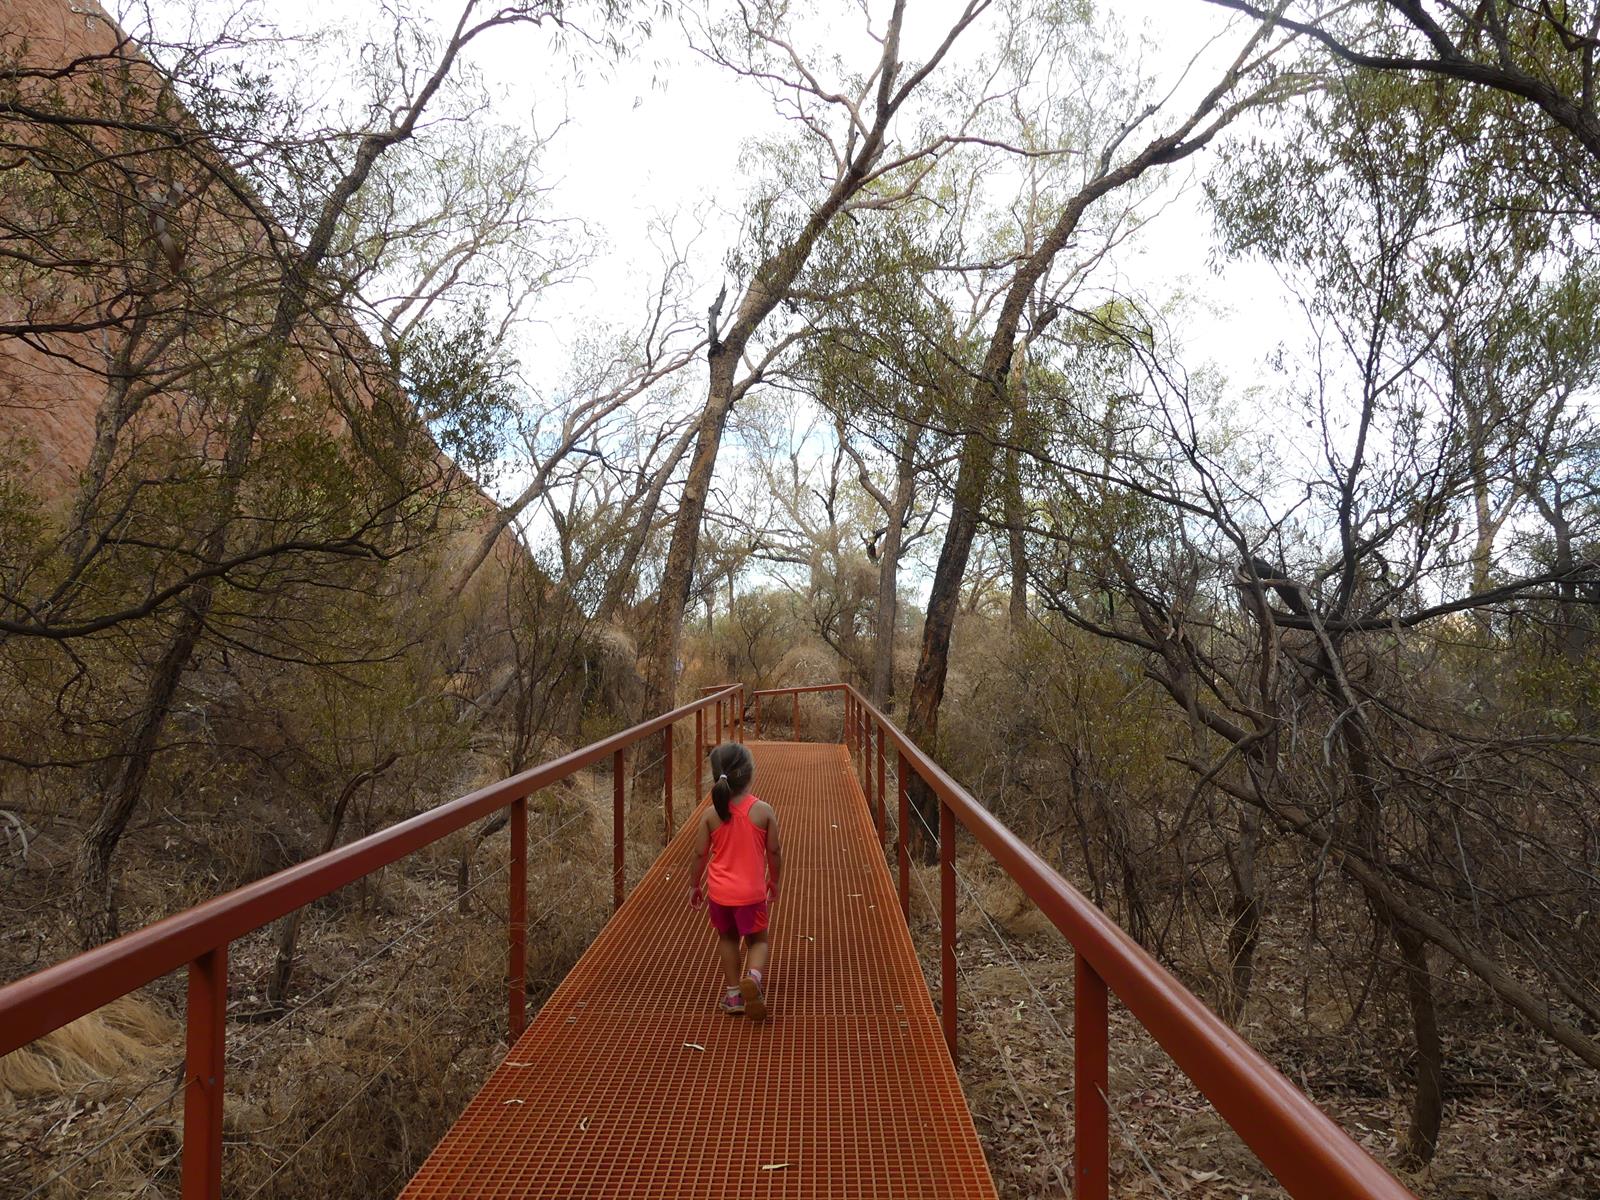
734	769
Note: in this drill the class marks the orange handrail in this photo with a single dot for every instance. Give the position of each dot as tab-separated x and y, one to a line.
1300	1144
729	721
43	1002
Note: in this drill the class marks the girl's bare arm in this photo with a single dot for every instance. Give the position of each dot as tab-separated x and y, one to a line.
702	850
774	850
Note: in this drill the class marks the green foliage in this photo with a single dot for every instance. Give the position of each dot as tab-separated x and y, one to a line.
464	384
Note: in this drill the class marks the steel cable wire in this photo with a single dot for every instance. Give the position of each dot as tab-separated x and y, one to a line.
1122	1129
116	1134
241	1048
1005	1065
972	895
420	922
454	900
366	1083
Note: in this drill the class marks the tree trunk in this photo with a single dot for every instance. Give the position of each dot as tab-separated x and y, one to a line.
1018	607
97	916
988	401
769	284
122	784
289	929
118	407
1017	612
888	608
666	623
1427	1100
1244	929
927	689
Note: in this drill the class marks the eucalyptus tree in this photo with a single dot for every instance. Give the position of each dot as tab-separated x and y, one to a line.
210	259
613	378
1107	130
884	362
1536	63
1334	601
851	138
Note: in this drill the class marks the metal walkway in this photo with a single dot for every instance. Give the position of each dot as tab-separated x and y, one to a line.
631	1083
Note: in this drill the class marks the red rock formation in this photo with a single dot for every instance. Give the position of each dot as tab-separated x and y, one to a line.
181	235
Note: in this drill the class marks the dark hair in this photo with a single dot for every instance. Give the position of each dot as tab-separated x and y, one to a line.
732	769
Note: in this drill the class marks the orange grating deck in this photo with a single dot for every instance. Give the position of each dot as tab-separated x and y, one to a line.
846	1089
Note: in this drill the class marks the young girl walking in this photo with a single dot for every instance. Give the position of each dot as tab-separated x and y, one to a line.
739	832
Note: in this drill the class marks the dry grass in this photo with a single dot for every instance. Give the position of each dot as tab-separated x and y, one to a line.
397	1012
127	1033
1520	1123
345	1096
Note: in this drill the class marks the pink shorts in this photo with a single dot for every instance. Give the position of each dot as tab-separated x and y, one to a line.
740	920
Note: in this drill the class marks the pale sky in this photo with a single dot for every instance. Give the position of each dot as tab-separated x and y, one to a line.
658	137
663	135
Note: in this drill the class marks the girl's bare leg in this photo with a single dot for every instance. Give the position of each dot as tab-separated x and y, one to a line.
757	954
728	951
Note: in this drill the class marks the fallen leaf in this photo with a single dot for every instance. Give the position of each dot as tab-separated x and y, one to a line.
694	1046
774	1166
509	1063
516	1102
583	1125
1205	1176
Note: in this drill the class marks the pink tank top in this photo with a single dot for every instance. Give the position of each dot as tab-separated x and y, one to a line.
737	873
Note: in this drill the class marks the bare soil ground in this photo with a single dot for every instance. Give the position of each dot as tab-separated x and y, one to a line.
1522	1119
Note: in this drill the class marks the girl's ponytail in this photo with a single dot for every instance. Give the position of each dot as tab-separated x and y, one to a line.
733	768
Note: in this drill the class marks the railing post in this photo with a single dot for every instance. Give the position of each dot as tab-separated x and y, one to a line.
866	764
202	1075
666	755
758	716
849	722
882	805
699	754
1091	1125
903	852
863	748
617	821
796	722
947	924
517	922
